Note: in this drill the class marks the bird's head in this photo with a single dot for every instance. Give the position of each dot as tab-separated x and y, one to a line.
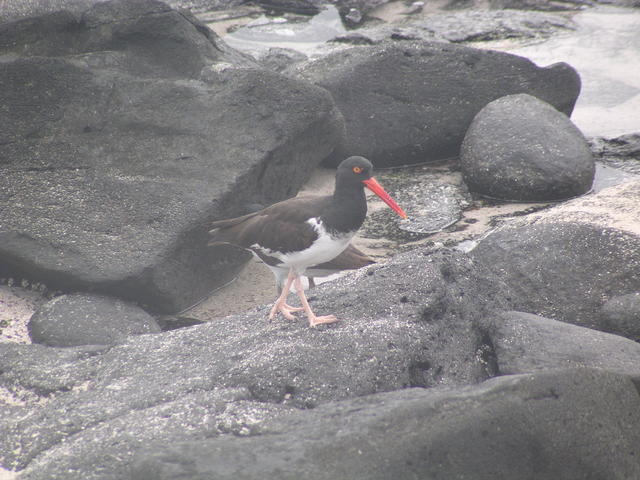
356	170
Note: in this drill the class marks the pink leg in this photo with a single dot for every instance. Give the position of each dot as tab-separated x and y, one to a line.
313	319
281	304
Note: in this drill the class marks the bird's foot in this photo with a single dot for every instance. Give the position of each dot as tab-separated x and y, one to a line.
313	320
286	311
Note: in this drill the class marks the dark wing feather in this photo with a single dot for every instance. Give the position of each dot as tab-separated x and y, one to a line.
281	227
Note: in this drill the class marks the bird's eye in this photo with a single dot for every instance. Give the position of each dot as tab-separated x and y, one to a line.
357	169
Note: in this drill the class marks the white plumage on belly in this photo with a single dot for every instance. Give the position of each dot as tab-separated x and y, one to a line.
325	248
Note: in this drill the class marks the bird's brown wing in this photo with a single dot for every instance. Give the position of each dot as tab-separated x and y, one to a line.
282	227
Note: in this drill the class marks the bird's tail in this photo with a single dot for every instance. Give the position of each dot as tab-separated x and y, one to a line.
222	231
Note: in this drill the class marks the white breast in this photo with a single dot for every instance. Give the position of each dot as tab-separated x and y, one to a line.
325	248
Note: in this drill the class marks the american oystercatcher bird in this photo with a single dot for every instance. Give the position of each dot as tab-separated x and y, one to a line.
306	231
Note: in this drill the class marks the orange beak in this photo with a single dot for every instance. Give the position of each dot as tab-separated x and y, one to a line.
373	185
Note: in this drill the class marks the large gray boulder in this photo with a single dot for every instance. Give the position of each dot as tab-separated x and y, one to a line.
556	425
566	262
526	343
144	37
129	138
411	102
410	323
521	148
164	404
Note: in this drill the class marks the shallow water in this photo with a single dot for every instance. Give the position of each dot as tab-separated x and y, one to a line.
306	37
605	50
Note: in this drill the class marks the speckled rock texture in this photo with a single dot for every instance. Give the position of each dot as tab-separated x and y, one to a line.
410	323
521	148
522	426
444	365
487	25
566	262
525	343
461	26
621	315
199	400
86	319
121	140
412	102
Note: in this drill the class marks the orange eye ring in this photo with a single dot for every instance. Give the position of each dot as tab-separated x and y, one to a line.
357	169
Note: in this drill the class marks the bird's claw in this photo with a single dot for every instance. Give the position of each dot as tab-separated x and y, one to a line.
285	310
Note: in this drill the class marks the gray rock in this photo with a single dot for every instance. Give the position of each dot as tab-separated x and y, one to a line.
13	10
199	414
144	38
489	25
621	152
547	426
621	315
300	7
373	35
563	270
521	148
411	322
526	343
424	319
279	59
198	6
558	5
354	12
411	102
463	26
115	166
565	262
43	371
85	319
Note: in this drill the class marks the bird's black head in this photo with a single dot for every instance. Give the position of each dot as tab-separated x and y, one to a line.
354	170
353	174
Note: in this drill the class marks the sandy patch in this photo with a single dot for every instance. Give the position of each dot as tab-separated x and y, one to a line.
17	304
7	474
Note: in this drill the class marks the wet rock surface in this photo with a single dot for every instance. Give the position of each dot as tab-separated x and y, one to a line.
503	156
431	204
85	319
621	152
412	103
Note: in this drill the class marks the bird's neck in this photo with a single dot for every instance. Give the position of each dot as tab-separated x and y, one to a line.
346	211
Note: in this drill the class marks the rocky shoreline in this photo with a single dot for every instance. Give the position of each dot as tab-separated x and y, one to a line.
497	331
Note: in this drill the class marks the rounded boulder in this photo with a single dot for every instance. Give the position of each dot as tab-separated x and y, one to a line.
521	148
86	319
